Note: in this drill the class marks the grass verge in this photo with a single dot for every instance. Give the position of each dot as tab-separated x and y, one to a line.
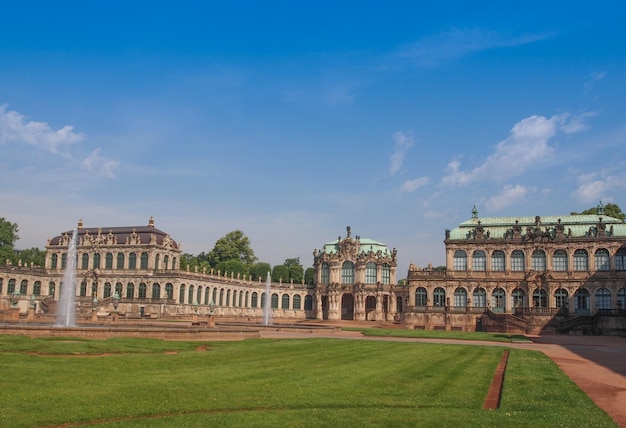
283	382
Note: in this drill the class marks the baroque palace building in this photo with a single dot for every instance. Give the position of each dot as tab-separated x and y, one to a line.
140	266
355	280
550	273
137	270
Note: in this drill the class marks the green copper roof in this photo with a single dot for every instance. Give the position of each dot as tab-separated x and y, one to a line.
574	225
365	246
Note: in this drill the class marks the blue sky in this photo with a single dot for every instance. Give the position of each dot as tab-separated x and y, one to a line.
292	120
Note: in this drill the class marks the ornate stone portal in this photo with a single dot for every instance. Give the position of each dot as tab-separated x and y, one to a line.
354	280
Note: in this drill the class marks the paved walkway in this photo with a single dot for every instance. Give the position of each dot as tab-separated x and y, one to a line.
597	364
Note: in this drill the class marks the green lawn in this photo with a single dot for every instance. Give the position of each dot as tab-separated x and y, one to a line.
440	334
290	382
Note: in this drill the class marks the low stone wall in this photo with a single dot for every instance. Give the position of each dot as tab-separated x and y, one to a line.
154	332
440	321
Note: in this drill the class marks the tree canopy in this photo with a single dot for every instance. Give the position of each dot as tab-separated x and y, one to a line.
234	245
611	210
32	255
8	236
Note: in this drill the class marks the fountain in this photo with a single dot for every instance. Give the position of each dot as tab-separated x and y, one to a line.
67	312
267	316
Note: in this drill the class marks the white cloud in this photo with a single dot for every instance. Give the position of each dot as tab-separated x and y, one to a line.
412	185
508	196
456	43
526	147
15	128
99	165
402	143
594	187
595	76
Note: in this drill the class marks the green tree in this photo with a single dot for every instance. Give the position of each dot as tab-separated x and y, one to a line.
296	274
234	245
192	261
280	273
292	262
611	210
309	276
259	271
233	267
32	255
8	236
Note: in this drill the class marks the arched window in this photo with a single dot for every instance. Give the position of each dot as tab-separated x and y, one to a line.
386	275
63	260
581	260
347	273
497	260
561	297
51	288
539	260
94	288
199	295
221	297
439	297
308	303
370	273
181	294
460	297
156	291
263	299
37	288
285	301
621	298
254	300
53	261
83	289
559	261
325	273
169	291
130	291
460	260
620	259
421	297
190	295
166	260
214	298
274	301
119	289
24	287
518	261
581	301
96	261
142	290
143	264
108	261
479	298
11	286
85	263
602	259
107	290
228	298
519	298
296	301
498	300
540	298
120	261
132	261
479	260
603	298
